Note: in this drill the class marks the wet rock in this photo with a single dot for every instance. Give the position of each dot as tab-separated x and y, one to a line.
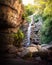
38	58
28	51
45	52
24	28
36	46
46	46
35	36
12	49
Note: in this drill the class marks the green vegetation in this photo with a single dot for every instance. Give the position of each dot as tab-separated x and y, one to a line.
20	1
29	9
28	19
19	36
44	8
46	31
36	18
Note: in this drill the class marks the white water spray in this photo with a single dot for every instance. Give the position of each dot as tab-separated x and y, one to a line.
29	30
30	26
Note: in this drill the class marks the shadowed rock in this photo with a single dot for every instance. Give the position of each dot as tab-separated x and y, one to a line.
10	20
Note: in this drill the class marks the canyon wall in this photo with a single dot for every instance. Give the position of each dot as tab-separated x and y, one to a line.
10	20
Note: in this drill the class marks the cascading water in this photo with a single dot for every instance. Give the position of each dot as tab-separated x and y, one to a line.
30	26
29	30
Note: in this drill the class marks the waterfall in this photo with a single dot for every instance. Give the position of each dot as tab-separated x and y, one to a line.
29	30
39	23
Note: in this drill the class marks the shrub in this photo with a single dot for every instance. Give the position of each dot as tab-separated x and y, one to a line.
46	31
20	1
36	18
28	19
18	37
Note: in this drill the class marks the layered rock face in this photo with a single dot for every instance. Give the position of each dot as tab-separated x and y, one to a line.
10	20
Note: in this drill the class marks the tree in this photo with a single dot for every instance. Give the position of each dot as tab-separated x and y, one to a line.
46	31
44	8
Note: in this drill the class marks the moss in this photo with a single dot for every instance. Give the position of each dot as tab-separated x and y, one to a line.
20	1
18	37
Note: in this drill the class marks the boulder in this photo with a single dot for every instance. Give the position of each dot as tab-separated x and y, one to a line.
28	51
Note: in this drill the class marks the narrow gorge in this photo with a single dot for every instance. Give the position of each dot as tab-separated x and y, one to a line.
20	31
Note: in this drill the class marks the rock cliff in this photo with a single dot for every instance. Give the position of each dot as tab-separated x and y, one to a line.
10	20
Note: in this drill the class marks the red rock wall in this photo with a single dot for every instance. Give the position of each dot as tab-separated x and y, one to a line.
10	13
10	20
